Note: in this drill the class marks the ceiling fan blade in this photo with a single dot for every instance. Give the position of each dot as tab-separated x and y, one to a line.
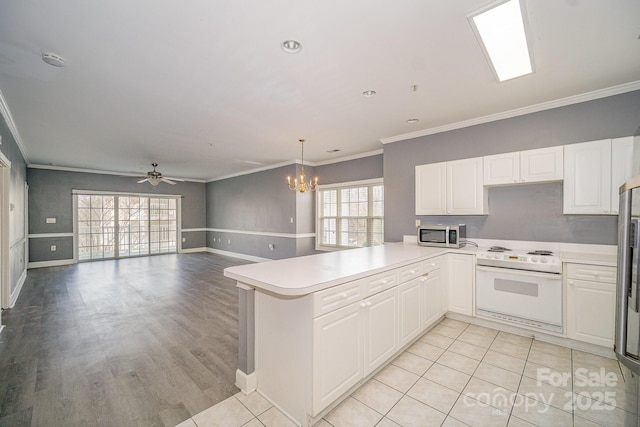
143	180
168	181
175	179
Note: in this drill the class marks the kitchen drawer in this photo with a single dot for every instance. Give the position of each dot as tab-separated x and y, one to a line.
379	282
337	297
432	264
594	273
409	272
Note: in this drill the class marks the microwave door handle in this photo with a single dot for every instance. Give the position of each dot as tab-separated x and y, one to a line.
446	238
635	261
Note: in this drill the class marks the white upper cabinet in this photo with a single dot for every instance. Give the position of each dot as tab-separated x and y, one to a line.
621	168
451	188
540	165
594	172
587	178
431	189
465	189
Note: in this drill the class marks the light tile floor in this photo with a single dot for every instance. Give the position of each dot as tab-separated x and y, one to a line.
459	374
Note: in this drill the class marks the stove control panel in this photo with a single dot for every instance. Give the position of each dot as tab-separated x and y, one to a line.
520	260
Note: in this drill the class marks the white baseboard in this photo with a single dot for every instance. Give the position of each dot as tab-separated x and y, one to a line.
535	334
193	250
238	255
246	383
16	292
54	263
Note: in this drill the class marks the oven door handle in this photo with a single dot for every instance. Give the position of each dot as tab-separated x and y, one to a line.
516	272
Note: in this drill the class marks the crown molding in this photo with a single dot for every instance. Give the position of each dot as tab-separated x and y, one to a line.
102	172
298	161
11	124
576	99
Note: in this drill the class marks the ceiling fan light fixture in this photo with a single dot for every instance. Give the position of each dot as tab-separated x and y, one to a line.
411	121
369	93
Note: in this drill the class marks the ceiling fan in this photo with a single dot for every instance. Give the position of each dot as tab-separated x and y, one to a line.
154	177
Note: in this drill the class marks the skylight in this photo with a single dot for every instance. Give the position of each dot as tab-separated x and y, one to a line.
502	33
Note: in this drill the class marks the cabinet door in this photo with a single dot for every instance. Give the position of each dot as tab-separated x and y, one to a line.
461	283
501	169
337	354
381	329
587	178
431	298
621	168
591	310
544	164
465	190
431	189
409	308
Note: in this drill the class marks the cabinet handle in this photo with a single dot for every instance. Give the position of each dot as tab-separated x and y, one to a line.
344	295
363	304
425	275
571	282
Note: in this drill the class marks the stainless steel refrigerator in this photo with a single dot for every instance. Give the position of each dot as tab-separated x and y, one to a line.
627	334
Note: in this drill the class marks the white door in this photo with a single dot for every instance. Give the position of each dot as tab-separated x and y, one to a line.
461	283
118	226
541	165
501	169
431	189
431	297
337	354
465	191
591	308
587	178
381	328
409	308
621	168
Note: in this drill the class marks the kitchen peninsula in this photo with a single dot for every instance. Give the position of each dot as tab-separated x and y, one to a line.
313	328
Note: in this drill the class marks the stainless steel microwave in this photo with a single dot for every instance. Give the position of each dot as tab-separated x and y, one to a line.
448	236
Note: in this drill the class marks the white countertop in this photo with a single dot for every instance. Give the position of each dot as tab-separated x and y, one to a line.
307	274
304	275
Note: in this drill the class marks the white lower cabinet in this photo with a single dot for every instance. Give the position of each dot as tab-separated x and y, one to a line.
461	283
409	302
337	354
591	303
380	328
434	303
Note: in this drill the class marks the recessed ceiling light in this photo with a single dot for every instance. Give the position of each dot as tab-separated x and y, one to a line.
411	121
291	46
53	59
501	32
369	93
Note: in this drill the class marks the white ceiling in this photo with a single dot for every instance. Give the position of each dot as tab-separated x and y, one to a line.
203	88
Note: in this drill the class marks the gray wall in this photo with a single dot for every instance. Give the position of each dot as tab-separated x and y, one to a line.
261	202
50	195
17	232
527	212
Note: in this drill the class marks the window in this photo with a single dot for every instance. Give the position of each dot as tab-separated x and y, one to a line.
350	215
117	226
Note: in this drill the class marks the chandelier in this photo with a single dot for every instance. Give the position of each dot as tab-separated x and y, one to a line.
303	185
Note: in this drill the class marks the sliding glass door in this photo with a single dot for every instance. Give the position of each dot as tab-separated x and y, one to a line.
117	226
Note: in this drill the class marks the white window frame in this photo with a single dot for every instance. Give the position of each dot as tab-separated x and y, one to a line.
340	186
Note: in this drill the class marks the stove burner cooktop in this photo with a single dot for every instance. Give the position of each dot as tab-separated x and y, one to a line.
498	249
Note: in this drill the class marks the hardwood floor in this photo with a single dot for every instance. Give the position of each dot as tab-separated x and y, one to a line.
135	342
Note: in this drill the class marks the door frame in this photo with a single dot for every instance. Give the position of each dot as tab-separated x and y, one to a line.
5	238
